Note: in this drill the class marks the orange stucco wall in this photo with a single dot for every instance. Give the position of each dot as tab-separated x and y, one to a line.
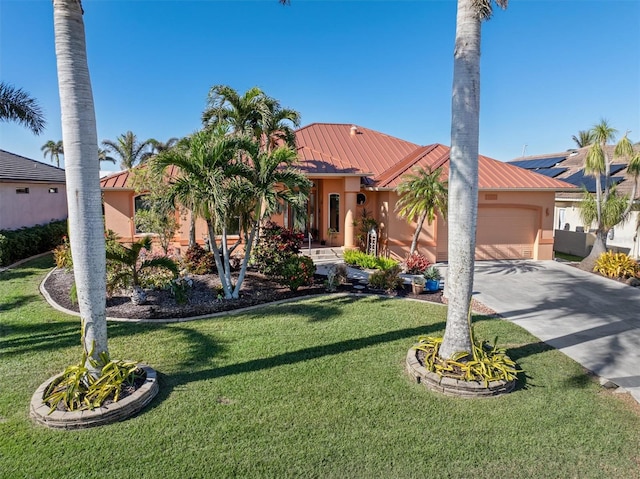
524	221
118	213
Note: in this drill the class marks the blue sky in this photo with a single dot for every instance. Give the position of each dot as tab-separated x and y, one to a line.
549	68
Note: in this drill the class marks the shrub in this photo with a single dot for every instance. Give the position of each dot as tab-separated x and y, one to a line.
179	288
62	254
199	261
367	261
385	263
275	247
297	271
616	265
24	242
416	263
388	279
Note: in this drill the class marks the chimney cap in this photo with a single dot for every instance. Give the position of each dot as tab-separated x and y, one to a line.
354	129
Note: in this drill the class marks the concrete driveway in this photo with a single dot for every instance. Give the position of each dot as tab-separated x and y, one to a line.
594	320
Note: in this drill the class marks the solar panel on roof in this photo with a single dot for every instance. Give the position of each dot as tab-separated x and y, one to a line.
535	163
616	168
589	182
551	172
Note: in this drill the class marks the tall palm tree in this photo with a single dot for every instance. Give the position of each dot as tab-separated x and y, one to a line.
158	147
207	165
17	105
270	183
241	113
584	138
103	155
421	196
129	150
277	125
86	229
463	171
53	149
607	209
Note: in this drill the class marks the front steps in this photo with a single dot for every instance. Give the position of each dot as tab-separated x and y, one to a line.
324	255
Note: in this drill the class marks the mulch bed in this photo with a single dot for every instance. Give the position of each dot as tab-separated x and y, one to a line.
203	297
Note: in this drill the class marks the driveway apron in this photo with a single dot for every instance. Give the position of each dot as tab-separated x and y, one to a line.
593	320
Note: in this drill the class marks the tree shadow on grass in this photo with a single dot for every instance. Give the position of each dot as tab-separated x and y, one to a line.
17	302
43	337
315	309
169	382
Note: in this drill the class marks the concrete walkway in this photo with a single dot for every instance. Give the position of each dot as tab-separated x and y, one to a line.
593	320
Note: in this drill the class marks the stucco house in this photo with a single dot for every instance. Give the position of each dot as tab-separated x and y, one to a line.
572	235
355	168
31	192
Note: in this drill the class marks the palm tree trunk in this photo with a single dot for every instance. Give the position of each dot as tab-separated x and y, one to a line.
213	246
86	230
463	178
416	233
192	229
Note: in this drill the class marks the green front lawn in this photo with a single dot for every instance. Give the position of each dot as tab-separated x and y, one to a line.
314	388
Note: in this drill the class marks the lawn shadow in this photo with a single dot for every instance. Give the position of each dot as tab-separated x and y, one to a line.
169	382
525	351
43	337
316	310
17	302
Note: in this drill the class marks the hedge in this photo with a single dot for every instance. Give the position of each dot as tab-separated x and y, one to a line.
25	242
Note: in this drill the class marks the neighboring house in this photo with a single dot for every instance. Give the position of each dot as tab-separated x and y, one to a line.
568	166
355	169
31	192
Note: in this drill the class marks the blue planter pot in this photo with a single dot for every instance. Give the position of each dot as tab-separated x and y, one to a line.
432	285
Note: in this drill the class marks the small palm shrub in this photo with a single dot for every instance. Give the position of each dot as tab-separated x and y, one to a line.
487	363
388	279
199	261
297	271
616	265
416	263
275	247
126	265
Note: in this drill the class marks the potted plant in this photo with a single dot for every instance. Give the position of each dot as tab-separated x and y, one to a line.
432	276
417	284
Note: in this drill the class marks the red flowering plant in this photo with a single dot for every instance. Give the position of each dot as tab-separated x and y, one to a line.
275	247
297	271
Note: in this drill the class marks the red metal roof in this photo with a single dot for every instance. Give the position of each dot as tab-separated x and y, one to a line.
338	148
121	180
333	148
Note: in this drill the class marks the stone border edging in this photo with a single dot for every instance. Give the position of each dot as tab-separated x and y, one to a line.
117	411
455	387
230	312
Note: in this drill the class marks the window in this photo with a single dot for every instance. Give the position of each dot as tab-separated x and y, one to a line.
361	199
22	191
53	190
334	211
140	204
